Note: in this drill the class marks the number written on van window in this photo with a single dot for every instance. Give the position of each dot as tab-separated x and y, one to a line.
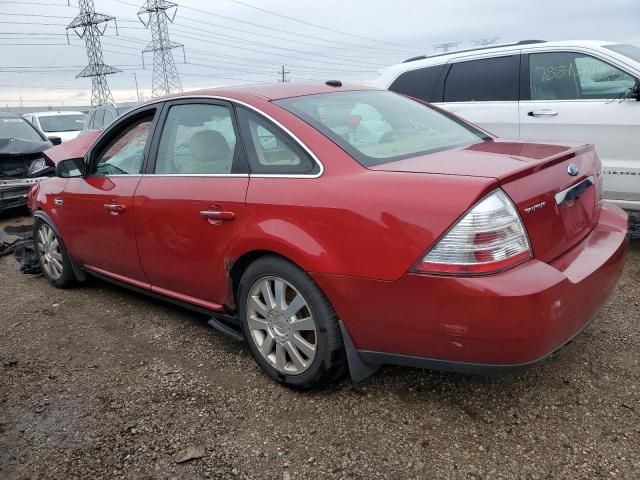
574	76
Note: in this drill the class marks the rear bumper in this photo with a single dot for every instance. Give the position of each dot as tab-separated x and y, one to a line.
478	324
626	204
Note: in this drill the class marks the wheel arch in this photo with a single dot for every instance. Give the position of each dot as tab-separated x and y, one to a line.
240	265
42	216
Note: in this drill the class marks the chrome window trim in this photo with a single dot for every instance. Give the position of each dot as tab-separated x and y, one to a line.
251	107
228	175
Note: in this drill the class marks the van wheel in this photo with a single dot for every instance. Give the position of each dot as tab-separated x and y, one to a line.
290	326
52	256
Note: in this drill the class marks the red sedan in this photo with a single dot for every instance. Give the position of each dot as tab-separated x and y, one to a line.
336	227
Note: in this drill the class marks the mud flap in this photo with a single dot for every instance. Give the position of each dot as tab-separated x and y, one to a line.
358	370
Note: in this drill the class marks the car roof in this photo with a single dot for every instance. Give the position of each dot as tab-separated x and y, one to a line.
269	91
50	113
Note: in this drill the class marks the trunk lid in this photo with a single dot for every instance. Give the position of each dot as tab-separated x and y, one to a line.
558	208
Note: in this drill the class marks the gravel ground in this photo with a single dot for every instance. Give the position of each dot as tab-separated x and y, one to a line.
99	382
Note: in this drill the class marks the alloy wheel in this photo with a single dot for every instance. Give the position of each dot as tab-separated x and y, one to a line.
281	325
49	252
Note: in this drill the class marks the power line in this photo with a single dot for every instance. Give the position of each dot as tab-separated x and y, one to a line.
315	25
446	47
90	26
165	74
283	75
333	42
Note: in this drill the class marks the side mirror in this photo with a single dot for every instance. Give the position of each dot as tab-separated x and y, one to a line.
70	168
55	140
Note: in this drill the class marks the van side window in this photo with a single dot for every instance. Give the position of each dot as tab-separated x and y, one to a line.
418	83
486	80
109	118
575	76
98	119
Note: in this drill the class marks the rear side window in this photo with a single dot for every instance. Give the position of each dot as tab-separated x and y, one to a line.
418	83
575	76
486	80
270	150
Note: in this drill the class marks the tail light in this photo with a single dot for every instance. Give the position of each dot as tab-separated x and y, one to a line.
489	238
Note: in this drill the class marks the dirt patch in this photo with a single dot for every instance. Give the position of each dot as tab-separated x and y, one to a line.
98	382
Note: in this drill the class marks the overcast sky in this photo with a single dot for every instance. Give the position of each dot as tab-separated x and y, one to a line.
234	43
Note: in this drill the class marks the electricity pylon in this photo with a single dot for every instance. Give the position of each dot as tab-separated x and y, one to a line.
165	74
90	26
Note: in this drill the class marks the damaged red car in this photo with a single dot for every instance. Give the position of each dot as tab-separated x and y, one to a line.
338	228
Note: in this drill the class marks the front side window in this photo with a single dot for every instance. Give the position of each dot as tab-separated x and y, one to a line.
197	139
377	127
124	154
62	123
485	80
271	151
418	83
18	127
575	76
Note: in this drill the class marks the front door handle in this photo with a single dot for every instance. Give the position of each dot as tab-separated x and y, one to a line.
543	113
114	208
218	214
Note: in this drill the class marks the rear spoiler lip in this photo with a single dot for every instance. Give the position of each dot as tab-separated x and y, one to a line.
547	162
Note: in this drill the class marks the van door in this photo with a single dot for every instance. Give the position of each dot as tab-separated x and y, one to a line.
484	91
574	96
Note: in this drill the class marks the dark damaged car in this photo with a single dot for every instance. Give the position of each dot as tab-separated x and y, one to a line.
21	159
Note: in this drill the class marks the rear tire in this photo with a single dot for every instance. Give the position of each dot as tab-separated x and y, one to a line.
52	256
290	326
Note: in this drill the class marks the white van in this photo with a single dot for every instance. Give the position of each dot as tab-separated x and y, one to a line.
66	125
584	91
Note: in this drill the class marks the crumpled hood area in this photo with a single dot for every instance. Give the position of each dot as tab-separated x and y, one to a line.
17	154
11	147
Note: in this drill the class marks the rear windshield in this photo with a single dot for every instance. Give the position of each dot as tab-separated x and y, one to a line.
62	123
629	51
377	127
16	127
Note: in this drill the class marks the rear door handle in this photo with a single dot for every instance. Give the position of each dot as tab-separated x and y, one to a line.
543	113
114	208
218	214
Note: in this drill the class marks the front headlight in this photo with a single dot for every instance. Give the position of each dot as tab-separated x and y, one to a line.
37	167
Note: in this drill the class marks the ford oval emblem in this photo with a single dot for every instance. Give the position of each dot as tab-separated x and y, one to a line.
573	169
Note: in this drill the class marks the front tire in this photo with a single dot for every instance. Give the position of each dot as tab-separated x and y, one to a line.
52	256
290	326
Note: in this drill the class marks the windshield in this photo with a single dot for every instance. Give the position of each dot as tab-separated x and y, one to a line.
629	51
377	127
16	127
62	123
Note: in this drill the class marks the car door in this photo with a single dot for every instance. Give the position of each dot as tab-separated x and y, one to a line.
190	205
98	208
575	96
484	91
